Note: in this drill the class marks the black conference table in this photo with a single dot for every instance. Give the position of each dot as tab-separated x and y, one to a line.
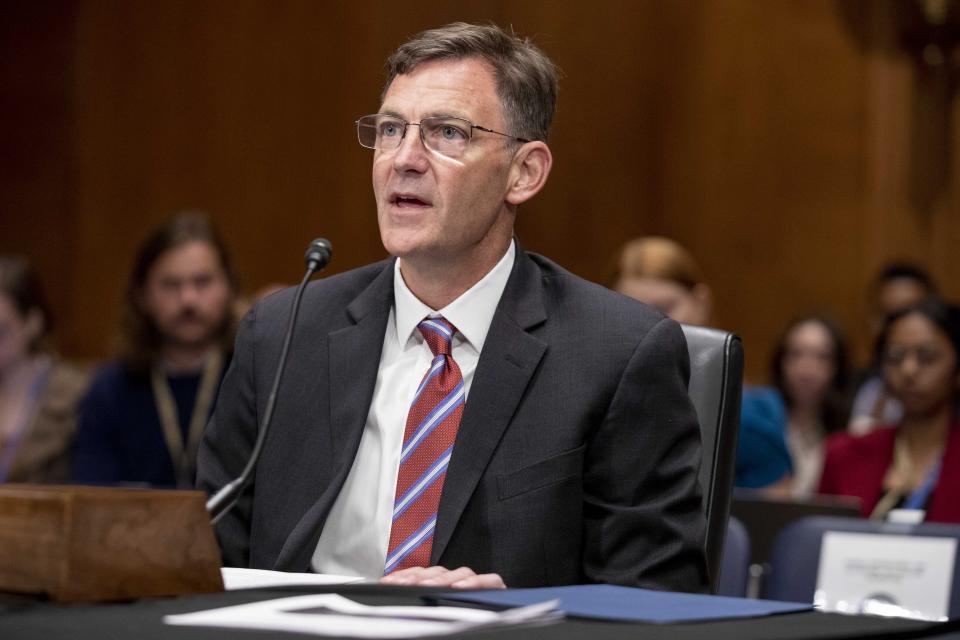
142	620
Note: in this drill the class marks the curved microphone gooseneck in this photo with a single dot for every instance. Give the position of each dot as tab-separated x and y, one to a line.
317	256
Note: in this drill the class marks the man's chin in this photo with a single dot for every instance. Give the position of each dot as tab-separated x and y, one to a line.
192	341
414	246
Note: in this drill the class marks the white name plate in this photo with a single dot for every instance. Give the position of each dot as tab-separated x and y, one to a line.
906	576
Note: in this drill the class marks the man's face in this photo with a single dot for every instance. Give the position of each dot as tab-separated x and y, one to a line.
900	293
187	295
895	295
434	208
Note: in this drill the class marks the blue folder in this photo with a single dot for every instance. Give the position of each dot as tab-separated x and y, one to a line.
626	604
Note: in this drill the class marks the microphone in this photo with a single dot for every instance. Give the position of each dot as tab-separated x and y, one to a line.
317	256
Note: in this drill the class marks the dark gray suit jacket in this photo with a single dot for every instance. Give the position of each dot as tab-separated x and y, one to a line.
577	454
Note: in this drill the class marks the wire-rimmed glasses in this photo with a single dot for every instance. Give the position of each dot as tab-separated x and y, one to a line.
447	135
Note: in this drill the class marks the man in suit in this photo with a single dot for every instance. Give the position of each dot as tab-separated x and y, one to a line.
463	414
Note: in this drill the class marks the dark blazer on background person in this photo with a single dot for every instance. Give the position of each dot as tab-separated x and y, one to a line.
576	458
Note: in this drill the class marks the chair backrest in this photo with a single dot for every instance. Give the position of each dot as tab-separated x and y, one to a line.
796	554
735	565
716	381
765	517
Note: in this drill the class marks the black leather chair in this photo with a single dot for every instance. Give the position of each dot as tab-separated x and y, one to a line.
716	381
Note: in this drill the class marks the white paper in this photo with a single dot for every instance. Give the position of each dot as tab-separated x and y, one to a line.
905	576
331	614
237	578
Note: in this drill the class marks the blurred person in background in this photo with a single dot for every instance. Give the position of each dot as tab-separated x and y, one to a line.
142	420
663	274
809	368
39	392
915	464
897	286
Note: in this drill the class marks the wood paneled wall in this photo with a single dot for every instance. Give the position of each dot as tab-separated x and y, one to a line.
775	139
37	209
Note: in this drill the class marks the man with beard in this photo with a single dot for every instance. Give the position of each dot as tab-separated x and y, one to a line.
142	420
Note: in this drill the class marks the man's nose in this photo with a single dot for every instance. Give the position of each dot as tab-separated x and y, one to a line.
411	155
189	292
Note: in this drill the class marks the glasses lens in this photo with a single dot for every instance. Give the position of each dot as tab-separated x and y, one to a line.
449	136
380	131
367	131
894	357
925	356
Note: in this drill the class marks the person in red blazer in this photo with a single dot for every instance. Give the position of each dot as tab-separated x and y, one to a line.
916	463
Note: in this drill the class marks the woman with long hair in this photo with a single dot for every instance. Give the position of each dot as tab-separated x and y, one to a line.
915	464
809	368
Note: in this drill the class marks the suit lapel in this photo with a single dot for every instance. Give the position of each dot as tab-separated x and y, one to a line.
353	361
509	358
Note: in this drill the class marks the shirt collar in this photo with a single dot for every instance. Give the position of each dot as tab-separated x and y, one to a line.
471	313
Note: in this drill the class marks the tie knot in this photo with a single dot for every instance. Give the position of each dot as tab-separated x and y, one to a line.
438	333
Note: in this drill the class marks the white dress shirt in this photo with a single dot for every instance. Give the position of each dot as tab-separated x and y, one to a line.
357	530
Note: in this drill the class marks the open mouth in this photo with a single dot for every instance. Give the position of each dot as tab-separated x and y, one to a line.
404	200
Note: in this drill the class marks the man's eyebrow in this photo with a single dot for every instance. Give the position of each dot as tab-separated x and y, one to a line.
447	114
431	114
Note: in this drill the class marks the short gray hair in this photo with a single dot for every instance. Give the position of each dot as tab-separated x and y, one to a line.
526	78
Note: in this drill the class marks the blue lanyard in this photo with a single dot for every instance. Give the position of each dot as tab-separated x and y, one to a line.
9	451
918	498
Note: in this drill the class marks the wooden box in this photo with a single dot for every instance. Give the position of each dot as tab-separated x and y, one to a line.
84	544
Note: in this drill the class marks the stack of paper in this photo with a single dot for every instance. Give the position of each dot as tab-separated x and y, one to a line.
333	615
236	578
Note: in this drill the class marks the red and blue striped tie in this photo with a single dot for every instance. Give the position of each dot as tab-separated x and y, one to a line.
427	445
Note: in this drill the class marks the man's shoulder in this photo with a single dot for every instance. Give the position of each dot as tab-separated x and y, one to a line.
578	297
114	384
114	374
333	293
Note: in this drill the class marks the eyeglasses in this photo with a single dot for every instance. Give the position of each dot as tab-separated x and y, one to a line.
446	135
926	356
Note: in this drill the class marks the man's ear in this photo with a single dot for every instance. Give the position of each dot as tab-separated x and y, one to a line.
528	172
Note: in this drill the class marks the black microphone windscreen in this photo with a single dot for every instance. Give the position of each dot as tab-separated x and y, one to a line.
319	252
